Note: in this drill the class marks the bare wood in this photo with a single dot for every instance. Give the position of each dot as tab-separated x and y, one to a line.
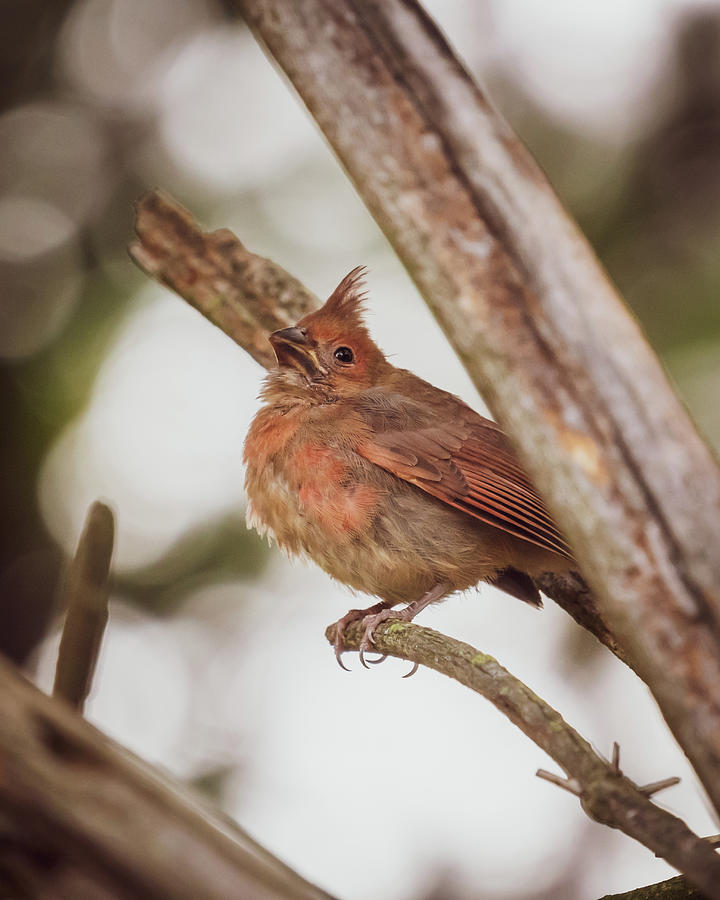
606	795
175	250
570	591
245	295
571	785
561	363
75	800
85	598
656	786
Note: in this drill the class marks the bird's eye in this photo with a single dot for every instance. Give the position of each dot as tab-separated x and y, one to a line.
344	355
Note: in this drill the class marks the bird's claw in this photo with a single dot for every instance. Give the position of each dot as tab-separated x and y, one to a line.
355	615
366	645
338	644
371	618
368	641
338	655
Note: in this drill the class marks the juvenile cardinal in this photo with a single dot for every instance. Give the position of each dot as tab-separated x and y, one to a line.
394	487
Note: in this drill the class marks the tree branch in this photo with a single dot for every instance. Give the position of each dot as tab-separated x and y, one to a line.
81	812
245	295
85	598
570	591
81	816
606	795
560	362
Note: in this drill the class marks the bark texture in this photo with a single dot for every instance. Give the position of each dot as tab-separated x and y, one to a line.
83	818
245	295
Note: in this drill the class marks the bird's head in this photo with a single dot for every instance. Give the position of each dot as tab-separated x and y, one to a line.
332	347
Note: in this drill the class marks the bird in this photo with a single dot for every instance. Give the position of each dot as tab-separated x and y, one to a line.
394	487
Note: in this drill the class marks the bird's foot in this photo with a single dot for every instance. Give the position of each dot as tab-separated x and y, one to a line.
355	615
371	621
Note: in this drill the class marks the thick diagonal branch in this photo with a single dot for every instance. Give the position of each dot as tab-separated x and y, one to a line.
561	363
605	794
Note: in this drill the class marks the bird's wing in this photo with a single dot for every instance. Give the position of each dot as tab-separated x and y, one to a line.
469	464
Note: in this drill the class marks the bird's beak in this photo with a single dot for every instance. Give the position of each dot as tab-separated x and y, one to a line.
293	348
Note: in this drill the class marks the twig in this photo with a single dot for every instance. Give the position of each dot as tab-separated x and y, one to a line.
559	360
606	795
85	597
247	296
79	802
649	790
571	785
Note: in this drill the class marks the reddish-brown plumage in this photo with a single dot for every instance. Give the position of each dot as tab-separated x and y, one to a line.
393	486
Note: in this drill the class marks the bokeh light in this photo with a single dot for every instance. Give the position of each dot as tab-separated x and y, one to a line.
163	432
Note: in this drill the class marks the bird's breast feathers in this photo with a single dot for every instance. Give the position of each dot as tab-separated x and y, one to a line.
303	492
344	477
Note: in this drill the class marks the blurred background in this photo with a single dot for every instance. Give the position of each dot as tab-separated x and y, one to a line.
214	663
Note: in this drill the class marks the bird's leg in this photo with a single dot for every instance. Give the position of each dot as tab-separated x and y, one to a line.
372	620
354	615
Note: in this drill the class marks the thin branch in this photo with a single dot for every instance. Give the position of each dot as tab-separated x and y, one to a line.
561	363
85	598
606	796
81	810
570	591
236	290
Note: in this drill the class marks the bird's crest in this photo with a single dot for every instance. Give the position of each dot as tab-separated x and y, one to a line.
348	298
337	341
343	311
